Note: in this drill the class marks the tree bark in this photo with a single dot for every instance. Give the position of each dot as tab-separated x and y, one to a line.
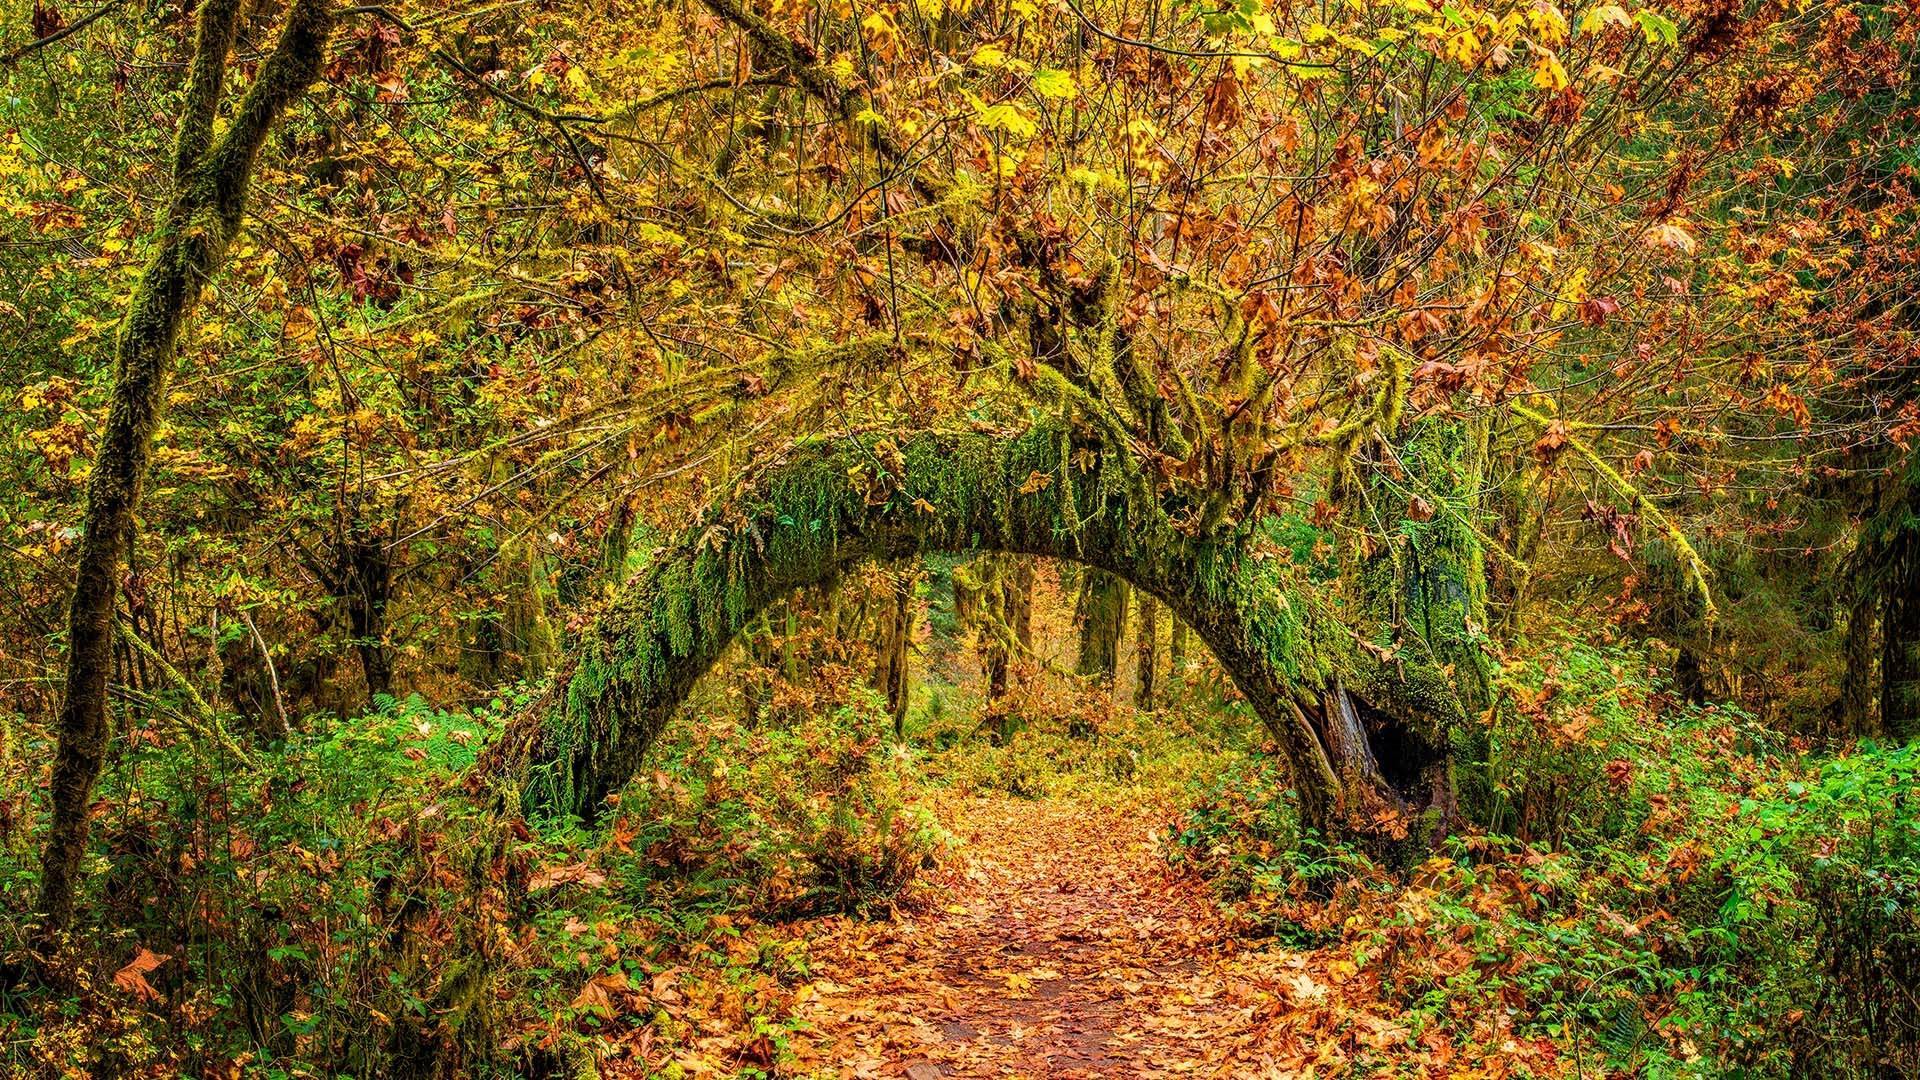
1422	591
1020	603
211	177
1900	637
1283	647
1852	711
364	579
1101	615
896	636
1146	652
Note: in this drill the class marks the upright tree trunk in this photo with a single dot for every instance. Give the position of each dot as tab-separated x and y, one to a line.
528	628
211	176
1177	647
1422	592
896	636
1102	617
1146	652
1019	588
1900	638
1852	713
364	578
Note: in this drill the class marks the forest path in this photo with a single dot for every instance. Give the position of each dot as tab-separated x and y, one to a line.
1061	946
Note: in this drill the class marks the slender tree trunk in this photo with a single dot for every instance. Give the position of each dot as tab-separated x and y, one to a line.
1900	638
1020	603
1853	710
527	627
211	176
365	574
896	636
1146	652
1177	647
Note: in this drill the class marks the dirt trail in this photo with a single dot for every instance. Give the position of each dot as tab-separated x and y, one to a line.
1061	946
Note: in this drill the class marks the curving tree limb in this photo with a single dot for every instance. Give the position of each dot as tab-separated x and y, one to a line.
832	505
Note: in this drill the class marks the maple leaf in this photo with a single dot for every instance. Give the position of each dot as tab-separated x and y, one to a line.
574	873
597	994
1549	445
133	977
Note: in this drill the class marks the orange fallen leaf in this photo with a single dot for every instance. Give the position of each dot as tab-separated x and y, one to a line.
133	977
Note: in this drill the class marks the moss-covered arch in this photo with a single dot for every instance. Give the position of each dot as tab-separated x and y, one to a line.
830	504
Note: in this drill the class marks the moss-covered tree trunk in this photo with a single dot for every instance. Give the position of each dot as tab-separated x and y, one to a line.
211	176
1101	615
1851	715
1900	637
828	507
895	638
1421	590
1146	652
1019	588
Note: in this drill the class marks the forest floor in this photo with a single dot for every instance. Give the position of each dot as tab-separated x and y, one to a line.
1060	944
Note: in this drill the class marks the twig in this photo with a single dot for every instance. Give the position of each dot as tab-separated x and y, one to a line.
273	677
32	47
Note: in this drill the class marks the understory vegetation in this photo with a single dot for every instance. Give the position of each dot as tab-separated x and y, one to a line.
1695	896
1691	895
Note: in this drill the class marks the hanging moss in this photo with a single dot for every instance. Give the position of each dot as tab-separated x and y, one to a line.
834	503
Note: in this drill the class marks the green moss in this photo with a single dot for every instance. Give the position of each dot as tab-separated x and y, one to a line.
833	503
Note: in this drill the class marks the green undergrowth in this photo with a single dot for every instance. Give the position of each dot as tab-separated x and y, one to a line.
1688	897
345	908
1081	744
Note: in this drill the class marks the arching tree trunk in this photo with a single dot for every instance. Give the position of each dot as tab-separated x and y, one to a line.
211	176
806	522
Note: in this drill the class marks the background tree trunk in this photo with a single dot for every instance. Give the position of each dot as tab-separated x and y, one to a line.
896	636
1101	614
1020	603
1900	638
1146	652
1852	713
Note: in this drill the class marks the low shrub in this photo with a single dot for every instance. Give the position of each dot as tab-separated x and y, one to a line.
344	908
1699	900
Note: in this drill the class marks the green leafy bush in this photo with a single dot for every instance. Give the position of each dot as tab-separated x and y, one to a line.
346	908
1682	895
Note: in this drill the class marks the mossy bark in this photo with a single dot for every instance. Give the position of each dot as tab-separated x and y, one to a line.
1101	615
1851	715
896	635
1900	638
211	176
1419	582
1146	652
807	521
